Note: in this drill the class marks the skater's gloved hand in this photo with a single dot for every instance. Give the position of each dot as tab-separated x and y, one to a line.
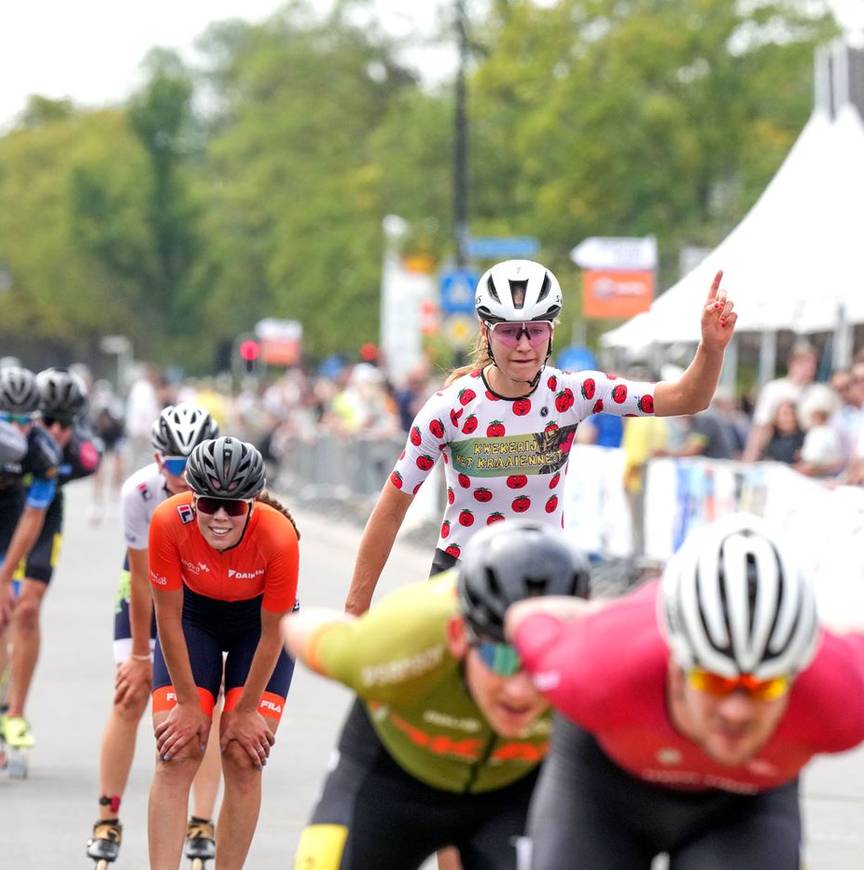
184	723
250	730
132	681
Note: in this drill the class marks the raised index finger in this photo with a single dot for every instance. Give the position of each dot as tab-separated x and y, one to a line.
715	286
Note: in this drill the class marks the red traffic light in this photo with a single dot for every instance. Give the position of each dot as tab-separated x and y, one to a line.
250	350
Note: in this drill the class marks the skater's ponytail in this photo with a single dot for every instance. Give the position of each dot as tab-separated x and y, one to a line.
265	498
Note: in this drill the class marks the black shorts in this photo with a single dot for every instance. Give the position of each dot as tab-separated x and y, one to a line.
11	505
213	627
372	814
589	814
441	561
39	564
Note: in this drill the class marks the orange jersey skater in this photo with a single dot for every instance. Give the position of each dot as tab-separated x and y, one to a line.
264	561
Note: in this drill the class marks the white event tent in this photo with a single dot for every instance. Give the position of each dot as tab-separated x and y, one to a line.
796	260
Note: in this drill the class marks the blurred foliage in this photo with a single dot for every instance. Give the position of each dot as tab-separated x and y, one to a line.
256	186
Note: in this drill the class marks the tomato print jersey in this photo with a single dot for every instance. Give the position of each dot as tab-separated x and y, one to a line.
507	457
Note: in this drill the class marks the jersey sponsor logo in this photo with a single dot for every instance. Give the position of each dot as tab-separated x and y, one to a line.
195	568
443	720
187	514
244	575
760	767
270	705
158	579
403	669
533	753
697	780
144	491
467	749
545	681
669	755
534	453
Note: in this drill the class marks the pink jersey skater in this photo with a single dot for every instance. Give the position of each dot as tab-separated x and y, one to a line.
607	674
507	457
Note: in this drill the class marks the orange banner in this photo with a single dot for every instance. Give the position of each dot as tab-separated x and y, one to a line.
616	293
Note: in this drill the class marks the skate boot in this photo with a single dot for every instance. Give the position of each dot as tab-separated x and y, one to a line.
19	741
104	846
200	842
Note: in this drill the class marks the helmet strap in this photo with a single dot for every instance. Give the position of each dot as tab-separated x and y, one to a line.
536	379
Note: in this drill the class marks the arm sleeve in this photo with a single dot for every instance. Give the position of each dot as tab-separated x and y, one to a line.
596	392
134	516
429	434
81	458
395	651
163	553
554	654
41	493
283	561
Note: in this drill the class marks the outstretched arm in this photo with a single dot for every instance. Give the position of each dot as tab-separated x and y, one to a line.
298	628
693	391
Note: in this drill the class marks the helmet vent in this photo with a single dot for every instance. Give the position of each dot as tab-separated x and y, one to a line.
545	287
490	284
518	290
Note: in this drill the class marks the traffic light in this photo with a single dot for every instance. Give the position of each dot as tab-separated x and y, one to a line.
250	353
248	359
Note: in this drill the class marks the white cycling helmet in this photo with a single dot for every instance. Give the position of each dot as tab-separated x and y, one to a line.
179	428
517	290
732	602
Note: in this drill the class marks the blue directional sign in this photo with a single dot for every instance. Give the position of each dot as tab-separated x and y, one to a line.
457	291
495	247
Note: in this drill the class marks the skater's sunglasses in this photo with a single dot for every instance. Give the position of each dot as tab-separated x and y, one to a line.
22	419
721	687
500	658
538	332
234	507
62	422
175	465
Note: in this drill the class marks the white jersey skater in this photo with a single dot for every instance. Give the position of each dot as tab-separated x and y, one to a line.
507	457
142	493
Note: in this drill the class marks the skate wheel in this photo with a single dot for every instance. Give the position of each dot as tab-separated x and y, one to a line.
101	864
198	864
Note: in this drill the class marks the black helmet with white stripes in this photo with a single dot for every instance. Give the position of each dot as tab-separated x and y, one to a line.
734	602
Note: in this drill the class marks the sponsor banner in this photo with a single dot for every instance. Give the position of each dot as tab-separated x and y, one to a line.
534	453
616	252
596	513
823	526
616	292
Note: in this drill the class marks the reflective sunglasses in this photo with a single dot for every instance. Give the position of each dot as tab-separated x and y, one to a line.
538	332
175	465
62	422
721	687
234	507
22	419
500	658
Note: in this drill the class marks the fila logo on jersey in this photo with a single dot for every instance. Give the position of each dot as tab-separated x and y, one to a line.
187	514
144	491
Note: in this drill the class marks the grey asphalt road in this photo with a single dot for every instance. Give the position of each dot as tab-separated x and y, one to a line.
45	820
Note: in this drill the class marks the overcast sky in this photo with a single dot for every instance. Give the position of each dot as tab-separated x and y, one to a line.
90	50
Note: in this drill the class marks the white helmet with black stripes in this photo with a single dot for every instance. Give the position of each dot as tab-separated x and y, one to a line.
733	602
517	290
